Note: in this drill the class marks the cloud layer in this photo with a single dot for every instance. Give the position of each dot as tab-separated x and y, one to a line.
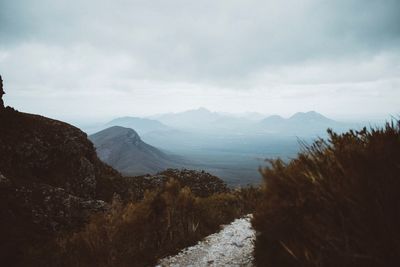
106	58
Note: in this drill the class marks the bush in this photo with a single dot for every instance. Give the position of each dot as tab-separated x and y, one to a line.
336	204
137	234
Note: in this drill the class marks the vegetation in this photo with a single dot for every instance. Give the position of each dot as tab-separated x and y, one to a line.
138	233
336	204
202	184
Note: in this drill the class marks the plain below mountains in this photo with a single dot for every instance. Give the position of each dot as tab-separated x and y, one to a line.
123	149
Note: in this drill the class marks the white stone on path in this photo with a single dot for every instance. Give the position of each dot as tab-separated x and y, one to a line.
232	246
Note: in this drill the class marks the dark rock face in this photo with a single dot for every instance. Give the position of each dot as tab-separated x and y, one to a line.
50	181
1	94
35	149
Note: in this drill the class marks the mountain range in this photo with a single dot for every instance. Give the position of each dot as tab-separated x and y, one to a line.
301	123
203	120
226	145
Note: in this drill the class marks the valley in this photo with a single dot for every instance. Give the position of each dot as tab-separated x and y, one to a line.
226	145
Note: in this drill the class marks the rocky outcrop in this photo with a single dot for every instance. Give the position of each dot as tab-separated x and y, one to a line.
50	181
202	184
1	94
35	149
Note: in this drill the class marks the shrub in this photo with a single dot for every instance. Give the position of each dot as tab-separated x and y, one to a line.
137	234
336	204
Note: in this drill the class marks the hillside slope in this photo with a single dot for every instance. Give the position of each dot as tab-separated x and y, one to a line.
50	180
123	149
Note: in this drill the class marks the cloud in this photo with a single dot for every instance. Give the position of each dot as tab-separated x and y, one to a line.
200	53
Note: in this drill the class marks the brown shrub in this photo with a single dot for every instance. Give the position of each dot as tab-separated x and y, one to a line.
137	234
336	204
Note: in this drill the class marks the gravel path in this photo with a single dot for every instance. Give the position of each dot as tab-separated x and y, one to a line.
232	246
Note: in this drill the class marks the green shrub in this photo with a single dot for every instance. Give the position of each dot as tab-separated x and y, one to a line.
336	204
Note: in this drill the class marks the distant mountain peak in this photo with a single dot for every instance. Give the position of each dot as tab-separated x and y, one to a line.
273	119
200	110
140	125
122	130
117	132
203	109
309	115
132	118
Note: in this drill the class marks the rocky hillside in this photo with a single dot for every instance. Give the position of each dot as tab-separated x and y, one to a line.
123	149
50	180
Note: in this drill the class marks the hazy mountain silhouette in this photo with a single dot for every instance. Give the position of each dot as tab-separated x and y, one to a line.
273	121
225	145
189	119
310	117
141	125
301	123
203	120
123	149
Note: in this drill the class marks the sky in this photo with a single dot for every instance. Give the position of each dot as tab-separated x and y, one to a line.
92	60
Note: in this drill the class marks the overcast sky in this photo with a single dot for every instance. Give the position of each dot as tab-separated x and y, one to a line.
84	60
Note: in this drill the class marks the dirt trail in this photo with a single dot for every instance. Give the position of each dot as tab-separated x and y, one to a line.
232	246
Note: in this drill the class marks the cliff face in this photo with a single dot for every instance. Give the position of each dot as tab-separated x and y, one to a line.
50	180
35	149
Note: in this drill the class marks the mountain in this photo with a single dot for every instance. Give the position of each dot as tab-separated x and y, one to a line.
272	121
141	125
190	119
204	121
301	123
123	149
310	117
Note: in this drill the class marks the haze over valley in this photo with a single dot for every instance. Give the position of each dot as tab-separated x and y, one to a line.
230	146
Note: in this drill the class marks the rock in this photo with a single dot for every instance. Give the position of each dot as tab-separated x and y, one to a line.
1	94
35	149
202	184
50	181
